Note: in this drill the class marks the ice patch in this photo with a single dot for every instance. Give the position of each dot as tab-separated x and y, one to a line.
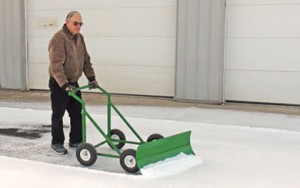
171	166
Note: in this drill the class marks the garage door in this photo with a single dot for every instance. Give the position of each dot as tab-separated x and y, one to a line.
263	51
132	43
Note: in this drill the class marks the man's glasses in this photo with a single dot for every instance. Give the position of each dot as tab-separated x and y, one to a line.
75	23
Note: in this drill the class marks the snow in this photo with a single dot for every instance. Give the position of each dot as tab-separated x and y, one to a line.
171	166
233	149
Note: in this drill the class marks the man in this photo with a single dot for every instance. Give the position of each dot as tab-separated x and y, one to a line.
68	59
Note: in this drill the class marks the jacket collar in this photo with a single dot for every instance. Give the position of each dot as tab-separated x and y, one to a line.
67	31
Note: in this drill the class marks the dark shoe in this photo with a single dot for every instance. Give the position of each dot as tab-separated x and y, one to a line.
59	149
75	145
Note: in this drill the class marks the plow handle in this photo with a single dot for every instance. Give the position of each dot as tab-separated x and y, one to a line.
89	86
110	106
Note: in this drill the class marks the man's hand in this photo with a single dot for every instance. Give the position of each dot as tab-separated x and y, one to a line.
93	84
71	88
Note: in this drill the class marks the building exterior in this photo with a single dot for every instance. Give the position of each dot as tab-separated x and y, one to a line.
209	51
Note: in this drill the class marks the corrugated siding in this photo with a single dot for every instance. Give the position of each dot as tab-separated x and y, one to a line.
1	42
12	46
200	44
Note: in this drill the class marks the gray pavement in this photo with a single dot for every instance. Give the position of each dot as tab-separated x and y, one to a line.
40	96
269	116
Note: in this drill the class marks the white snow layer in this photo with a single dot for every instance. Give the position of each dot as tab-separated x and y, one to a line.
248	153
171	166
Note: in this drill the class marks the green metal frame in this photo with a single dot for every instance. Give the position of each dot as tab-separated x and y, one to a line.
107	135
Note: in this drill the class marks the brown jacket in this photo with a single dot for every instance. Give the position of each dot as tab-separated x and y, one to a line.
69	58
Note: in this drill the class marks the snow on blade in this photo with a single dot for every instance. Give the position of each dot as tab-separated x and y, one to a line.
171	166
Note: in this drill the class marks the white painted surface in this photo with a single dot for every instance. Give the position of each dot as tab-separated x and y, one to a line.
262	51
132	43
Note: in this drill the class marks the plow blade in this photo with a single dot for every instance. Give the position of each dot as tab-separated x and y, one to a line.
157	150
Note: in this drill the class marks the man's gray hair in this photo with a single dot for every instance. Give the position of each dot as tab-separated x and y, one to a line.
70	14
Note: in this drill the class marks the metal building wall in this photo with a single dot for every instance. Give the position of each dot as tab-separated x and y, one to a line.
200	50
12	45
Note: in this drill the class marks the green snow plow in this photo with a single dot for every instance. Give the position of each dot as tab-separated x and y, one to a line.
154	149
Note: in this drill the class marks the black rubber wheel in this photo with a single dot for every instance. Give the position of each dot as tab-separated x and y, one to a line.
116	134
154	137
86	154
128	161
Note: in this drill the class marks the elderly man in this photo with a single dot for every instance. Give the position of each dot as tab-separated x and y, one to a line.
68	59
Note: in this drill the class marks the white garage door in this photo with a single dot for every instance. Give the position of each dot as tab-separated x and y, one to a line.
263	51
132	43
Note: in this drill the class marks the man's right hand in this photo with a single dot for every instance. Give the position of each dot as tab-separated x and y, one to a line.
71	88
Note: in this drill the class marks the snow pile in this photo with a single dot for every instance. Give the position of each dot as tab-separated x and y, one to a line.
171	166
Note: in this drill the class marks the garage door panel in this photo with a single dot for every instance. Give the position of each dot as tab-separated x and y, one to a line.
38	50
273	87
270	20
45	23
39	76
263	54
124	80
92	4
262	51
116	51
132	43
132	51
108	54
154	21
261	2
116	79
